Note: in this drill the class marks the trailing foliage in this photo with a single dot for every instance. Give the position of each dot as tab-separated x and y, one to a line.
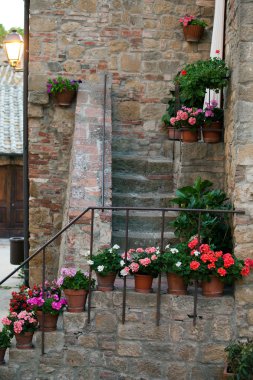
240	359
5	338
195	78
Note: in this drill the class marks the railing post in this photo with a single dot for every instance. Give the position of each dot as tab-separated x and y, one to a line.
124	285
158	299
195	281
44	296
91	252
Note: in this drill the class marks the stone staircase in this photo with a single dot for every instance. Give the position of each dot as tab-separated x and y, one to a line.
139	181
136	350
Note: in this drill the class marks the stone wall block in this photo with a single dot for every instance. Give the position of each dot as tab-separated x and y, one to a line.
126	348
105	322
74	321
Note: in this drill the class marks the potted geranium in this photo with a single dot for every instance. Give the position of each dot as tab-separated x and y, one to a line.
212	127
144	264
189	120
175	263
106	263
239	364
63	89
195	78
5	342
47	303
193	27
173	132
22	325
75	284
214	268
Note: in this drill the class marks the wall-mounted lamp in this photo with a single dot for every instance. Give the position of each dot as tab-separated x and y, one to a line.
14	46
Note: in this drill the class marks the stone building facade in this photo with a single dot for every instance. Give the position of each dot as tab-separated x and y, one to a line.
140	45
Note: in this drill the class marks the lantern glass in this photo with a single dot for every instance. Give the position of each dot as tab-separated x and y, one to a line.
14	46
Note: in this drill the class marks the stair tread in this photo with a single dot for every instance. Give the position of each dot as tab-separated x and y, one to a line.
148	214
142	235
141	158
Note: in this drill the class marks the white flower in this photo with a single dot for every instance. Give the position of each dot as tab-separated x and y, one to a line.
122	262
167	246
110	250
178	264
100	268
116	246
174	250
196	253
123	272
157	252
90	262
86	254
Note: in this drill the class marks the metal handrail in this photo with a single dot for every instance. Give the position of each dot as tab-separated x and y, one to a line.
127	209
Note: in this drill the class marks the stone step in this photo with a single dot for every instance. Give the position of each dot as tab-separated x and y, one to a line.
133	199
126	183
141	165
141	220
141	239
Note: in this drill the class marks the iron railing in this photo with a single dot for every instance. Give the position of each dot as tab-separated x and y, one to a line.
127	218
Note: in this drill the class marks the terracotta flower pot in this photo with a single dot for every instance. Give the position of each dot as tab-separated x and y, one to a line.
2	353
76	300
174	133
226	374
193	33
214	288
106	283
212	132
24	340
50	321
65	97
176	284
143	283
188	135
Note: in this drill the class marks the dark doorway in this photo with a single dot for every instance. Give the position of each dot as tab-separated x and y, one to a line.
11	201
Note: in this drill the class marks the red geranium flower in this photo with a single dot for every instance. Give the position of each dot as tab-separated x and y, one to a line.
194	265
183	72
222	272
245	271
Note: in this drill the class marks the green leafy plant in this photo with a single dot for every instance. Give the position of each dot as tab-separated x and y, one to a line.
195	78
214	227
177	260
71	278
107	260
61	84
240	359
192	20
5	338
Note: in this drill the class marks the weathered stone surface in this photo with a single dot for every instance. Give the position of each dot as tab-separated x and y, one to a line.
105	322
131	63
129	349
74	321
37	97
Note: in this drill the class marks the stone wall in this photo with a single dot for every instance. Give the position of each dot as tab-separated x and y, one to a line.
137	350
87	186
140	43
239	145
